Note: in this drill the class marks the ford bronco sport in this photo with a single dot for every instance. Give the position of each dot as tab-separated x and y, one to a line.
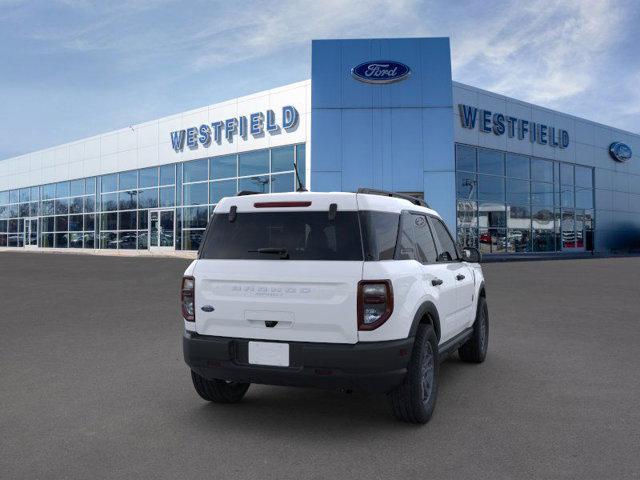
356	291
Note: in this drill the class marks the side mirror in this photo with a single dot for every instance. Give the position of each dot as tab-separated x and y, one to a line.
444	257
471	255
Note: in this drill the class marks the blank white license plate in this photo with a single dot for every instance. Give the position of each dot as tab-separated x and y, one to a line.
269	353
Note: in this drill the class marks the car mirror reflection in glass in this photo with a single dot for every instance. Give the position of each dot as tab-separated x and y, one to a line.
471	255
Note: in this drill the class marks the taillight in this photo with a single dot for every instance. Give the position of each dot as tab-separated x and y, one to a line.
375	303
187	298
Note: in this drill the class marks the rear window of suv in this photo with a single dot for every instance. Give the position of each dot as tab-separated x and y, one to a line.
284	235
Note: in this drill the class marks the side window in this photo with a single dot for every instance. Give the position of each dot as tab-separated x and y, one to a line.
425	246
446	247
380	232
405	248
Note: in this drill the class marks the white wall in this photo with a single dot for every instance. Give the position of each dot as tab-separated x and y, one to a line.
149	144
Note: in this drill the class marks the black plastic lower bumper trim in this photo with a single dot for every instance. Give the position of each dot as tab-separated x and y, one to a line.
367	366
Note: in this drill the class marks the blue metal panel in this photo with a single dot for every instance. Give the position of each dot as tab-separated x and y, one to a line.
383	148
326	182
407	150
604	178
602	241
437	134
604	200
621	201
325	72
439	191
621	181
436	76
357	152
325	141
604	220
384	135
626	232
408	93
429	83
634	221
353	93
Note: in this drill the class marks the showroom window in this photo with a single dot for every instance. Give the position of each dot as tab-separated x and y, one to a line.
510	203
114	211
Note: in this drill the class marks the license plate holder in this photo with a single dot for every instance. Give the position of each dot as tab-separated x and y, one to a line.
274	354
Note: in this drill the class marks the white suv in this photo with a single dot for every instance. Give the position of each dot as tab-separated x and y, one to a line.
356	291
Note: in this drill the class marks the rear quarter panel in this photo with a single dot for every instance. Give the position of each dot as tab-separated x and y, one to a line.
479	279
409	293
189	271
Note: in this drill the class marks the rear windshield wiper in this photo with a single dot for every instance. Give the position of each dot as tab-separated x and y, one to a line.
283	252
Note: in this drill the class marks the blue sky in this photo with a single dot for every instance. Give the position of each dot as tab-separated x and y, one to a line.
75	68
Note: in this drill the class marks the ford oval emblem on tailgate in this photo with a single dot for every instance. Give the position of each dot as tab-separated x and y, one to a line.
207	308
380	71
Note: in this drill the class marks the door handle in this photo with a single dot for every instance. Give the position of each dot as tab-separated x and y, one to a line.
459	277
436	281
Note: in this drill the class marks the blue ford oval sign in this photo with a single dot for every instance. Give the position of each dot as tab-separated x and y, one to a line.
380	71
620	151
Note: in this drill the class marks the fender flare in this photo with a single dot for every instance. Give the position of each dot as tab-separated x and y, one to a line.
482	292
424	309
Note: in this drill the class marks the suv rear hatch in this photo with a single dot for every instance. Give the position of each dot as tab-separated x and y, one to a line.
281	267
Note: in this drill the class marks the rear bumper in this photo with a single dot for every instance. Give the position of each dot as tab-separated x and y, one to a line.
372	367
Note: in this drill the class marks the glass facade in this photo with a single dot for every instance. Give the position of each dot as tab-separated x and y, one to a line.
167	206
510	203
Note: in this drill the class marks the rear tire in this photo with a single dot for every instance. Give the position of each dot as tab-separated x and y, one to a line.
219	391
475	349
414	401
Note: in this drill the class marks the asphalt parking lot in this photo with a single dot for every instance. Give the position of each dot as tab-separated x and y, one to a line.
93	385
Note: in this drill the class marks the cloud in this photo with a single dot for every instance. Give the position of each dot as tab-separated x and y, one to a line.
93	26
557	54
217	33
542	52
264	31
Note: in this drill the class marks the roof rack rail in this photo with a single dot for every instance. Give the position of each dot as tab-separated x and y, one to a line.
385	193
247	192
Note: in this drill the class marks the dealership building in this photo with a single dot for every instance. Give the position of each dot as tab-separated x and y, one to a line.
507	176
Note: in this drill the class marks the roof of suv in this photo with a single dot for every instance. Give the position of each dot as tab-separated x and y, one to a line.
318	201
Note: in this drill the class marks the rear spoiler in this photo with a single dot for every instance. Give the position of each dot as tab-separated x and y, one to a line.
233	210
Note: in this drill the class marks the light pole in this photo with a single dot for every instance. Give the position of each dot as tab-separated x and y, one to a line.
261	181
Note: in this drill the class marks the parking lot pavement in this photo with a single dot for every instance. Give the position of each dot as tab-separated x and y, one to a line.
93	385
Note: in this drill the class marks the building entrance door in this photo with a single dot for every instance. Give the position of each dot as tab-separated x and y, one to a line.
573	234
30	232
162	229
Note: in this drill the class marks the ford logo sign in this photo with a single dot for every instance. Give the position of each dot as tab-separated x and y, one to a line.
380	71
620	151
